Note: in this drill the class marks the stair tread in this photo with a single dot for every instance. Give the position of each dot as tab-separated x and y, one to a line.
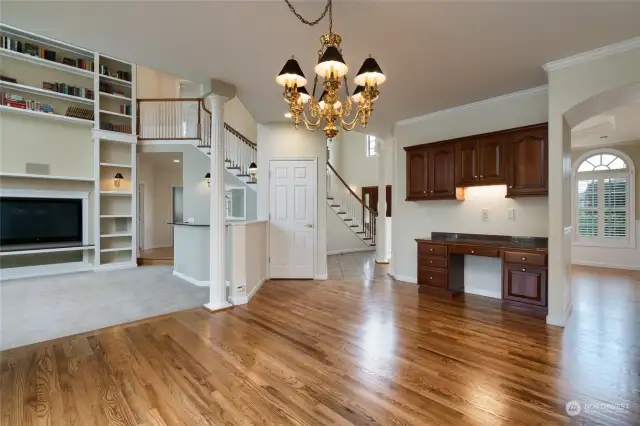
236	168
348	220
342	212
243	175
354	226
330	198
335	205
251	183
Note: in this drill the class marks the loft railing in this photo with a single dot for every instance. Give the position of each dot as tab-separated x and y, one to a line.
189	119
351	209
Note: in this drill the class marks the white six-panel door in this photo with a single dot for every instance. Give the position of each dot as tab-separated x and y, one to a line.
292	200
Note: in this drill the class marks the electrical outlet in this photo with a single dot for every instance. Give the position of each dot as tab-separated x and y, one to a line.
511	214
241	288
485	214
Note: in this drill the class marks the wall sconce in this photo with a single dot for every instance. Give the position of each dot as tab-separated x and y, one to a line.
207	178
116	179
253	169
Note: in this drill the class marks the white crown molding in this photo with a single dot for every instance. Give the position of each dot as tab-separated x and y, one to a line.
472	105
601	52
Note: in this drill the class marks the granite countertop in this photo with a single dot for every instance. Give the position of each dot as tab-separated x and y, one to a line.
501	241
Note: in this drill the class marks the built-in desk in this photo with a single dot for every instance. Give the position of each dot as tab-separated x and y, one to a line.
524	266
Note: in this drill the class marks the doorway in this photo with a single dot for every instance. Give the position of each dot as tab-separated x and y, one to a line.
176	207
292	218
370	198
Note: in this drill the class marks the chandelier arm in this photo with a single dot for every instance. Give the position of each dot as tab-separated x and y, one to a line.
349	125
309	122
327	8
311	126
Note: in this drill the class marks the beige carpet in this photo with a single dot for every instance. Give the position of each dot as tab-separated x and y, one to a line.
39	309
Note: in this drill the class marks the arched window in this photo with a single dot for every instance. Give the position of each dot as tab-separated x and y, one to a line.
604	199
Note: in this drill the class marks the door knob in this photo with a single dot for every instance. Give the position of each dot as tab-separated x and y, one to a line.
308	225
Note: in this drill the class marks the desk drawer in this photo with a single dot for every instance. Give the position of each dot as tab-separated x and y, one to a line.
525	258
432	277
475	251
425	249
433	262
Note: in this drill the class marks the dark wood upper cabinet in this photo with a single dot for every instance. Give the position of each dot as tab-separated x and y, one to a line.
491	160
528	162
417	174
467	170
516	157
442	178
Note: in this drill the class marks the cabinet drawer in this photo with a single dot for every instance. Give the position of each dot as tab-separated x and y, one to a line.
524	284
433	262
433	277
475	251
525	258
431	250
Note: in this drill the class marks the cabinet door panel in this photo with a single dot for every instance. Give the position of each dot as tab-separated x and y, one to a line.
417	174
491	159
442	176
528	163
524	284
467	163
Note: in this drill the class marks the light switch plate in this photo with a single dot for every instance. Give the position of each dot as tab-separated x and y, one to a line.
485	214
511	213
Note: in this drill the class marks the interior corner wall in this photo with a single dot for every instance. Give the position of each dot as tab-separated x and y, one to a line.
282	141
418	219
341	239
155	84
568	87
237	116
353	164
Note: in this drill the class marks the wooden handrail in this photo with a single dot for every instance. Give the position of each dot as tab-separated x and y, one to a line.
349	189
169	99
240	135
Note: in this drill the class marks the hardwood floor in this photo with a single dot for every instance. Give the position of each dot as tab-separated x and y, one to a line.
156	256
342	352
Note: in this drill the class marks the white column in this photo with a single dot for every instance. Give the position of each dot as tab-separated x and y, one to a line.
381	233
217	231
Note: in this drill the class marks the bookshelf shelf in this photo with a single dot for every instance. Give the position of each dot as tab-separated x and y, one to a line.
45	250
128	166
117	114
114	80
117	235
115	216
45	115
107	250
112	96
46	63
7	30
50	177
116	193
46	93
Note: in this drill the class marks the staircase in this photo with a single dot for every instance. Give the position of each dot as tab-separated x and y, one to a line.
187	120
358	217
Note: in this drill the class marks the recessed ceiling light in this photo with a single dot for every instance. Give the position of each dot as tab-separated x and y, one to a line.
176	161
287	115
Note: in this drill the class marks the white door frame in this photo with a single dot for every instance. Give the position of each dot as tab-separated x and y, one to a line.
314	166
140	216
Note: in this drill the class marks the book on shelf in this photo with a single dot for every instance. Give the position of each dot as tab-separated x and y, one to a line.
112	127
68	90
76	112
17	101
31	49
121	75
125	109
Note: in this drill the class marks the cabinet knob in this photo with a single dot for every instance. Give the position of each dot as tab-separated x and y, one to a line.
430	249
481	177
524	258
432	191
524	269
475	177
473	251
510	186
425	192
430	278
431	261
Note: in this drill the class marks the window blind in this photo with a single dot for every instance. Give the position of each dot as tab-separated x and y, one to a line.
587	208
615	207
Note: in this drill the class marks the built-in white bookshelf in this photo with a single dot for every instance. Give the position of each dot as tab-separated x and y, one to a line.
52	83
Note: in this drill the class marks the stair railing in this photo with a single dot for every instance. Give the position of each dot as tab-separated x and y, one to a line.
352	210
190	119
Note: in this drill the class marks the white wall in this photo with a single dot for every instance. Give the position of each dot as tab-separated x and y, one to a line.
282	141
155	84
622	258
418	219
248	261
237	116
159	176
571	86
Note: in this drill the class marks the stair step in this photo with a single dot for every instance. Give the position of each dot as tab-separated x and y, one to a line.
354	226
348	220
233	168
361	232
251	183
342	212
373	245
335	205
243	175
367	239
330	198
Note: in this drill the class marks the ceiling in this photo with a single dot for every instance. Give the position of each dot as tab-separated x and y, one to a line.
617	126
436	55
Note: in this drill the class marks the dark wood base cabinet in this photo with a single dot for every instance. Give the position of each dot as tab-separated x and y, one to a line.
524	273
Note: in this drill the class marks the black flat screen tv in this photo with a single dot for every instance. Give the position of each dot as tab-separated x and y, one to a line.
40	220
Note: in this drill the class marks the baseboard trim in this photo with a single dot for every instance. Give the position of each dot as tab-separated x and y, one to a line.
607	265
355	250
321	277
407	279
483	292
191	280
561	321
255	289
243	300
116	266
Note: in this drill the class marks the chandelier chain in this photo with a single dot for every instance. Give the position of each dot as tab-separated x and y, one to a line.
327	8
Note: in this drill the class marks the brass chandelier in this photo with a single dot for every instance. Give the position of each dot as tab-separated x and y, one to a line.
331	66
